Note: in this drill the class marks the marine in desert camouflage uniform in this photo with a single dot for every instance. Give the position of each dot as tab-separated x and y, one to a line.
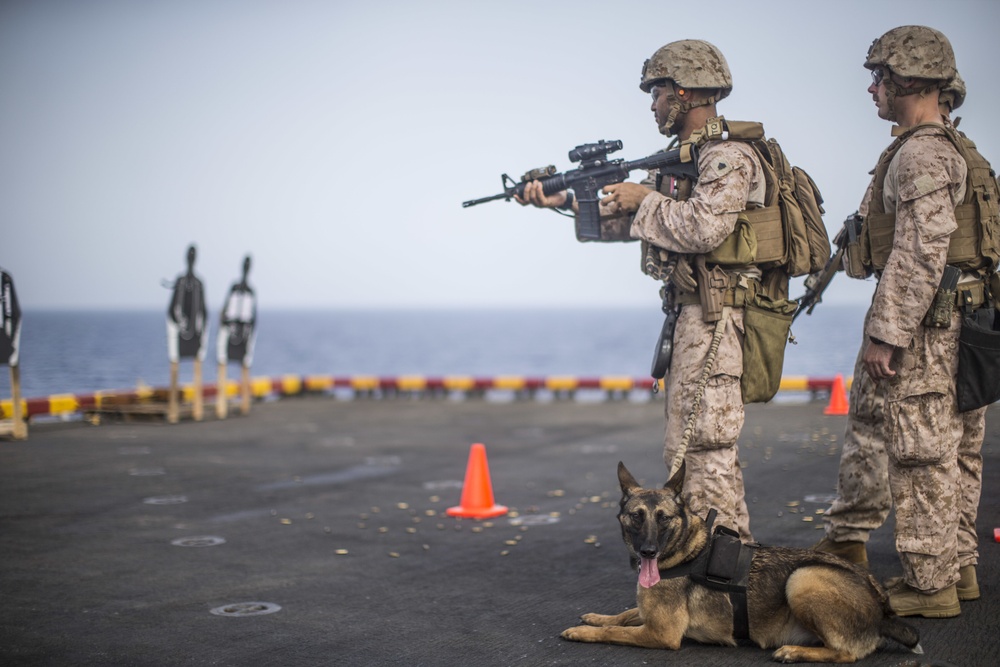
920	180
675	218
863	497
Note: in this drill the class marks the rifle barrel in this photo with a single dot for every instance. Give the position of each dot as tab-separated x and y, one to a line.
473	202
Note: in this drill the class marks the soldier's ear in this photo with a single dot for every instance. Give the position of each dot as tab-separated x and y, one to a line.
676	483
626	480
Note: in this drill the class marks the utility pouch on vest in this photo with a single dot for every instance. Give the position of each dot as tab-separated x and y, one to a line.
711	290
766	324
939	314
978	360
737	249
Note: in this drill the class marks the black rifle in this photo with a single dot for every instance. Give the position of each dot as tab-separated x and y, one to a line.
595	171
817	282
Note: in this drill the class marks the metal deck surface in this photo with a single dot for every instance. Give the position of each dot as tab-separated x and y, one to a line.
315	530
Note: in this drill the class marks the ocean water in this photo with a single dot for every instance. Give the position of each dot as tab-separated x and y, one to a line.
79	352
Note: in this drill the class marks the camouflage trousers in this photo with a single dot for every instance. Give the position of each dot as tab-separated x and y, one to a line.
937	483
713	478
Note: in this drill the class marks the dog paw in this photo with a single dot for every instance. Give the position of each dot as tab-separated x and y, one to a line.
787	654
594	619
580	633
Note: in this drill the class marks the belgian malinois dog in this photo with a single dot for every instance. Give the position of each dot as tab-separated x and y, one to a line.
811	606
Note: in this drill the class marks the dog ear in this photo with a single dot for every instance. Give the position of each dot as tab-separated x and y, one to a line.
626	480
676	483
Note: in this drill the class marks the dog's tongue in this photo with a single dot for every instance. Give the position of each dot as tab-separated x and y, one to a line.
649	572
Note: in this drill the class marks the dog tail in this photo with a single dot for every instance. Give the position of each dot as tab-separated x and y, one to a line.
905	634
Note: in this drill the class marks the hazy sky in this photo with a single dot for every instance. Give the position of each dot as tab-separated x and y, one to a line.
335	141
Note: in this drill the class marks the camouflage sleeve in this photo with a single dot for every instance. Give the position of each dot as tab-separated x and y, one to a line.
727	171
929	178
618	228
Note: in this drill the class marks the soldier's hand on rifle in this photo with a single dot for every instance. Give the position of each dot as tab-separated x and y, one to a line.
534	195
622	198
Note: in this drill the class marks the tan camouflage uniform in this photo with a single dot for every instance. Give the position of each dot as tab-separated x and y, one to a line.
863	498
924	430
730	177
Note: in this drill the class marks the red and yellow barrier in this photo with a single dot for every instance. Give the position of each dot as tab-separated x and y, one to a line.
59	405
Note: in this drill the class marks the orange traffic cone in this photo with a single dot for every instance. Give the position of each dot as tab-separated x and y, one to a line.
477	493
838	398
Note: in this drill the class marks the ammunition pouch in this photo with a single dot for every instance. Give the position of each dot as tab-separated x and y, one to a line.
939	314
854	259
766	326
967	297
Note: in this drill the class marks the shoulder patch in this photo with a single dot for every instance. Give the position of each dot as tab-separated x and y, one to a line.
716	169
924	185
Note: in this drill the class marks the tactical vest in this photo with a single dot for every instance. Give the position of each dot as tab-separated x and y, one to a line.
975	245
787	232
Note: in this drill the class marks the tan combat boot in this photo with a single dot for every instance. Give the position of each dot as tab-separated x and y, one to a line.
907	601
850	550
968	585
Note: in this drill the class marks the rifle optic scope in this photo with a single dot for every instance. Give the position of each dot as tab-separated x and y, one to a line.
596	151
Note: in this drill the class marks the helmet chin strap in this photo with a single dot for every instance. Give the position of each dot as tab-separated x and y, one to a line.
680	108
890	101
894	90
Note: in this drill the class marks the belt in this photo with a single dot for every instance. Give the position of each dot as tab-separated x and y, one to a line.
735	296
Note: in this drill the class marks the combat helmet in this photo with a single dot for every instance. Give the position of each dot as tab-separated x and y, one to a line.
914	51
691	63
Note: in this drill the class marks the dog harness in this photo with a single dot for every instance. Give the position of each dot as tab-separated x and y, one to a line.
723	565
